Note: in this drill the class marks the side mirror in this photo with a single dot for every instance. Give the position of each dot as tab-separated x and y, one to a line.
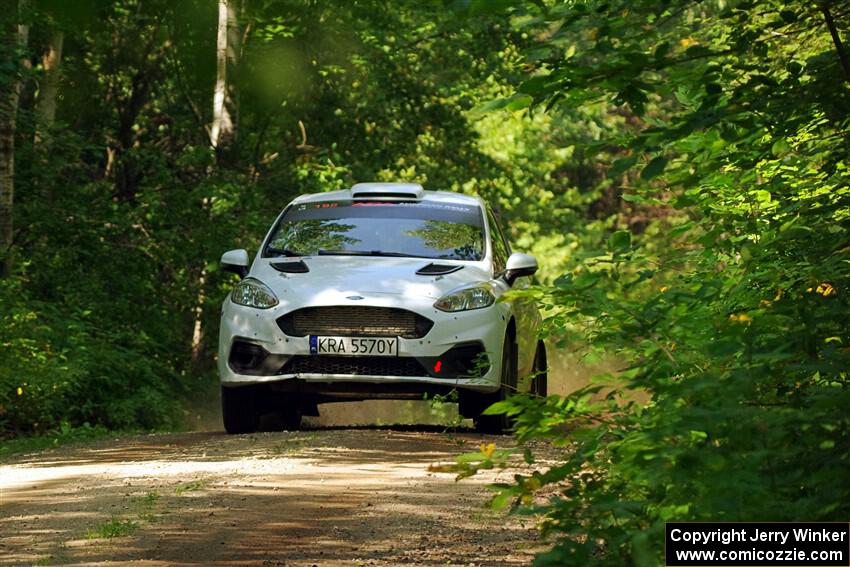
519	265
235	261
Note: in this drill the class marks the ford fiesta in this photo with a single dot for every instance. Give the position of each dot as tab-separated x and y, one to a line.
384	290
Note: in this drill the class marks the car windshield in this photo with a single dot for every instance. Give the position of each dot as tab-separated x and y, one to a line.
424	230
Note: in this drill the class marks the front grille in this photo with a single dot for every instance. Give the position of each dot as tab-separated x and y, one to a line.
355	321
356	366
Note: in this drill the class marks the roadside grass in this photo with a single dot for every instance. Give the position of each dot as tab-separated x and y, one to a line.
444	408
145	513
66	435
483	516
145	505
190	487
114	527
63	435
291	446
145	510
147	501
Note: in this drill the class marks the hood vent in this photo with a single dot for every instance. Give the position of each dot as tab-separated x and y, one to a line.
433	269
290	267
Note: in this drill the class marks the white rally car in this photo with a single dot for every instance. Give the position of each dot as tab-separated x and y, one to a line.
383	290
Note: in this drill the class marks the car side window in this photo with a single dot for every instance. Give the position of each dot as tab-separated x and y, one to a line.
501	250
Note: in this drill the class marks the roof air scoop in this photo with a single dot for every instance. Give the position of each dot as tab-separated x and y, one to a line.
394	191
433	269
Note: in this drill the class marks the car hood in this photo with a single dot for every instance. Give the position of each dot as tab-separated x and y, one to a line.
343	276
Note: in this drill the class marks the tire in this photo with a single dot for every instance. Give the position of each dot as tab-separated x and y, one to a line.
498	424
540	372
239	410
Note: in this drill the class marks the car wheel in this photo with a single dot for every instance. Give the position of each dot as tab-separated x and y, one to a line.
239	409
497	424
540	372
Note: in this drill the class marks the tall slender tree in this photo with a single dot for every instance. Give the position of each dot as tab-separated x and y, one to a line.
222	130
48	90
225	96
14	36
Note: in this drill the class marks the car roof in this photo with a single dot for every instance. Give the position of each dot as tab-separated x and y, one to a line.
389	188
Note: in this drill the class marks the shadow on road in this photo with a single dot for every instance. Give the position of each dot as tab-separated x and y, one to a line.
321	496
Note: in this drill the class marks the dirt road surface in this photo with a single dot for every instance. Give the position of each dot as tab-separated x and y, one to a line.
326	496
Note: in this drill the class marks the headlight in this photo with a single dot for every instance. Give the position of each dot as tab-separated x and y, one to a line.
477	297
253	293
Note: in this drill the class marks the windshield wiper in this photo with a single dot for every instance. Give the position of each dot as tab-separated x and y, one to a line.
341	252
283	252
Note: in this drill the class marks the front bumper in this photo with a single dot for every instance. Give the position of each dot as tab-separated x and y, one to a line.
278	358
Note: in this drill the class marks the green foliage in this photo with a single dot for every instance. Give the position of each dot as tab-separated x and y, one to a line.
147	509
190	487
60	368
146	506
683	165
124	210
115	527
729	306
443	407
62	435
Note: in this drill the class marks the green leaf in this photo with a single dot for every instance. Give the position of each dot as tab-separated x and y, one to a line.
622	165
498	408
633	198
535	86
490	106
518	102
780	147
620	241
467	458
681	229
501	500
654	168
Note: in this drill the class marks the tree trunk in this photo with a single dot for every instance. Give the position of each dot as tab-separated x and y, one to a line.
228	48
225	96
127	174
129	101
14	37
45	106
198	363
836	39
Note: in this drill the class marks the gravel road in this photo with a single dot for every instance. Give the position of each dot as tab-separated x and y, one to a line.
326	496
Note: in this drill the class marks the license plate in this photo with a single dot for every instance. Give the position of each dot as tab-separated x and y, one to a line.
361	346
